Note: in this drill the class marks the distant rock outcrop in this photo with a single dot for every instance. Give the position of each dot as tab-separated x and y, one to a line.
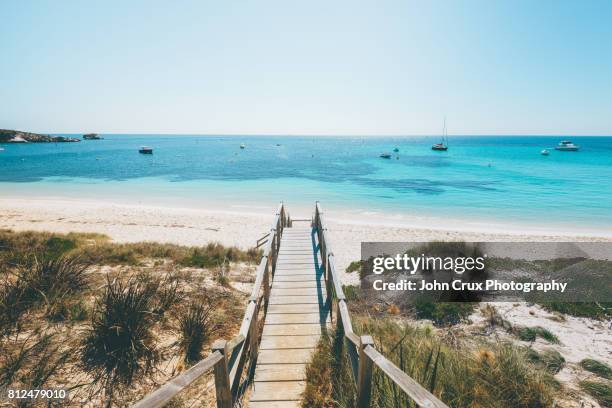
17	136
91	136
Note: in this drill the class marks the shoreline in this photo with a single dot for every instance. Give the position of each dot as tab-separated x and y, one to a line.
124	222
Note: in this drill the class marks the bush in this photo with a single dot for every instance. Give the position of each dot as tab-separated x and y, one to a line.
597	367
51	282
443	314
120	345
196	327
531	333
602	392
550	360
354	266
600	311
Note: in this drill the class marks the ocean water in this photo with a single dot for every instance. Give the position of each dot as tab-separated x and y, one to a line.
486	180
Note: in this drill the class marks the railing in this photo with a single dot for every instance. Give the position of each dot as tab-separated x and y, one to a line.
228	359
362	354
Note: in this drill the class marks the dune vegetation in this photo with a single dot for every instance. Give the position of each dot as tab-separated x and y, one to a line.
108	322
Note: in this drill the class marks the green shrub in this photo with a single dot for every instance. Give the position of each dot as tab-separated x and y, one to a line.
531	333
597	367
196	327
444	313
600	391
120	344
550	360
351	292
600	311
354	266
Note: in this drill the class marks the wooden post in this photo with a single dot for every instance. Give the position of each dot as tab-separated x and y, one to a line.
364	381
222	380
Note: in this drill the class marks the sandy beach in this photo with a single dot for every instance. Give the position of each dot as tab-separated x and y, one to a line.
188	226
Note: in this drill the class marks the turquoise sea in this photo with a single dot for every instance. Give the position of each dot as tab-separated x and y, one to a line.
481	179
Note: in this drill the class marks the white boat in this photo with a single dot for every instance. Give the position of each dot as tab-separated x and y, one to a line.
545	152
242	145
442	146
567	146
1	149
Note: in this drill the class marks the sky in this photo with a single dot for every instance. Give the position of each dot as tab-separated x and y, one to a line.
307	67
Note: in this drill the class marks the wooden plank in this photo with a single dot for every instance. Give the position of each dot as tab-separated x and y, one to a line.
304	273
294	300
295	318
280	372
275	404
292	329
297	285
285	356
296	257
298	292
278	391
293	308
289	342
298	278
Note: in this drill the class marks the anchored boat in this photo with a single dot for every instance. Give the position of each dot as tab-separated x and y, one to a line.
567	146
442	146
145	150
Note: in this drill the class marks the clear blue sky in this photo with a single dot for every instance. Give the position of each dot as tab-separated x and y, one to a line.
307	67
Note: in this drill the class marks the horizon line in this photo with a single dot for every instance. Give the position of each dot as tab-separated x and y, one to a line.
565	134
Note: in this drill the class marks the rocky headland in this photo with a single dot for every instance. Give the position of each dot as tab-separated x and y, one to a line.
17	136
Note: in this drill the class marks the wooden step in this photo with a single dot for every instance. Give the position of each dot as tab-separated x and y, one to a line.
298	278
297	285
293	300
284	356
296	318
277	391
298	292
289	342
280	372
275	404
293	308
293	329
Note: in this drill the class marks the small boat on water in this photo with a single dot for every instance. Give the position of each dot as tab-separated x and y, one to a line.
567	146
145	150
385	155
442	146
242	145
1	149
545	152
396	149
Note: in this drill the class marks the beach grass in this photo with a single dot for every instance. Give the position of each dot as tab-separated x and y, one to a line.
597	367
602	392
77	310
484	375
97	248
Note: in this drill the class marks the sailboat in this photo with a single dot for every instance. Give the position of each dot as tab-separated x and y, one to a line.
442	147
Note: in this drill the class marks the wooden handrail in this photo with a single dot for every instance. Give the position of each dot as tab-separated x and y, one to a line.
363	355
228	358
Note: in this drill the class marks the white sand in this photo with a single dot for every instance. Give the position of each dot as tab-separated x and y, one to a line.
189	226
